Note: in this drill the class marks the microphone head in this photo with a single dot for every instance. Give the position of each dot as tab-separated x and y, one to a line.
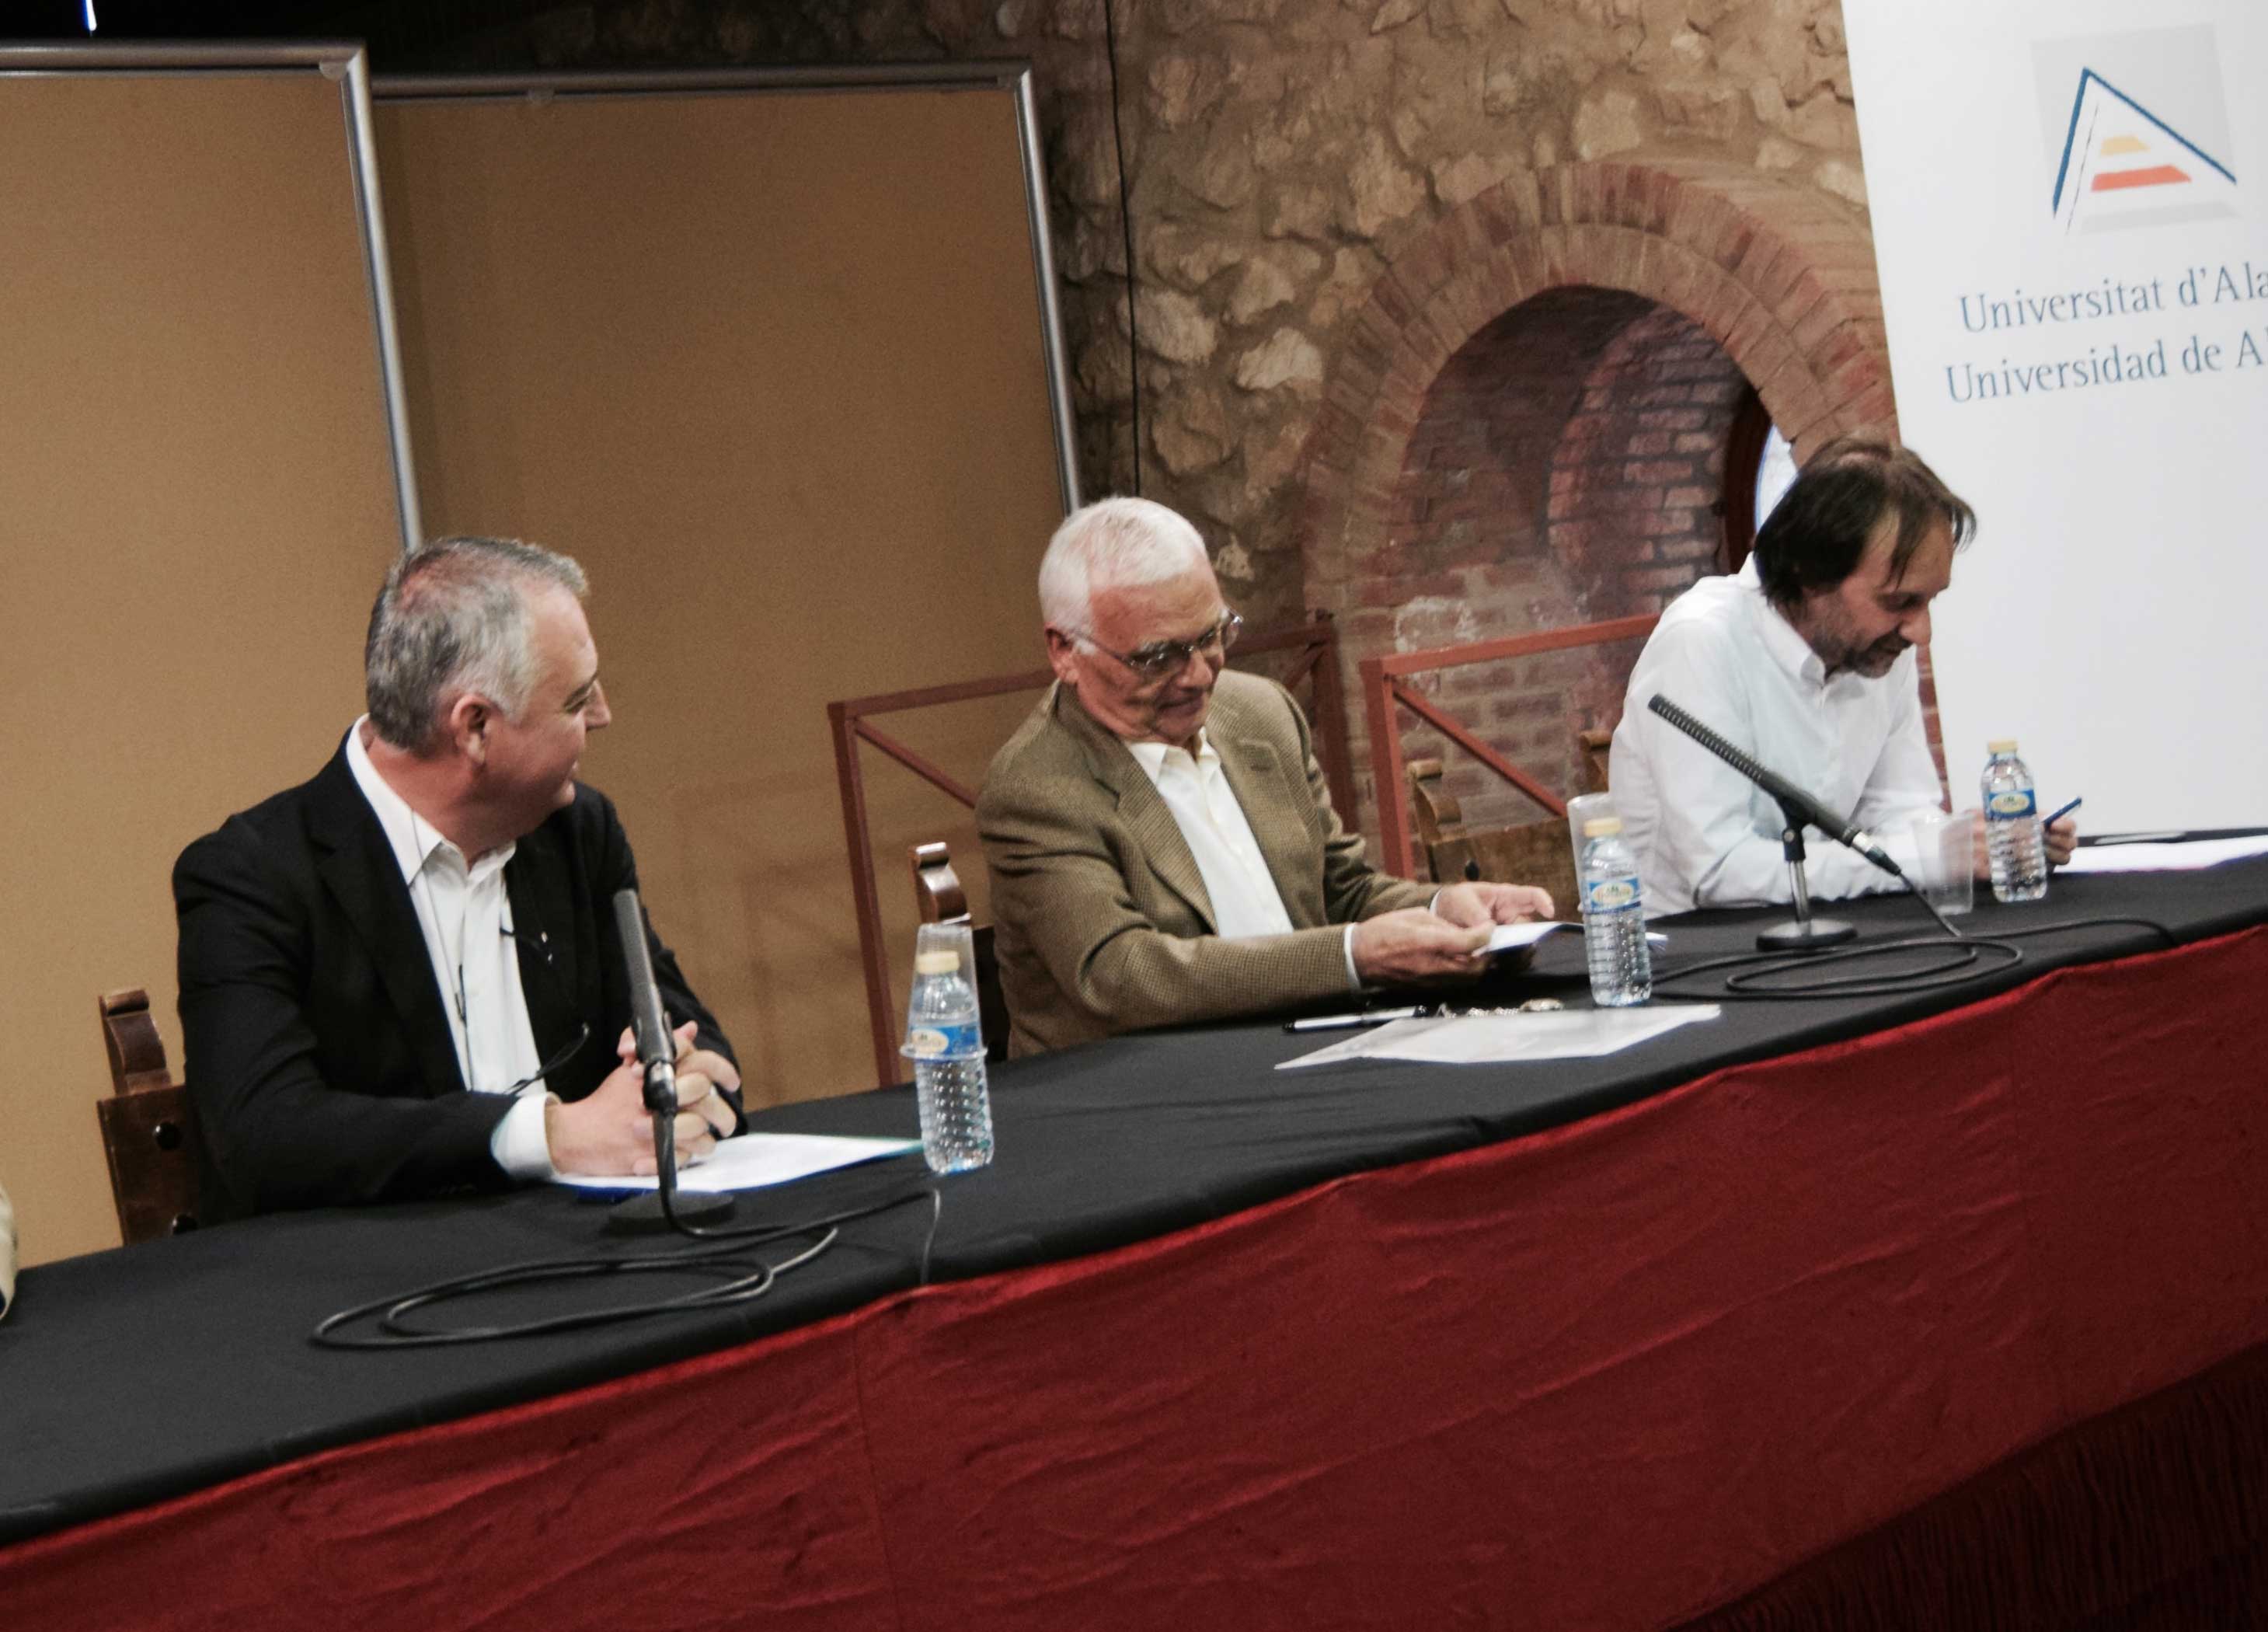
647	1021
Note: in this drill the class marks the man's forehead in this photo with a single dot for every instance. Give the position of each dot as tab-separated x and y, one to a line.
1928	570
562	634
1166	609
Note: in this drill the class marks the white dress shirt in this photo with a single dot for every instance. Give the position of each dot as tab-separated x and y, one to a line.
1245	899
465	914
1704	834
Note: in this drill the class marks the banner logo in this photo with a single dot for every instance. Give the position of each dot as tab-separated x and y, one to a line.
2137	128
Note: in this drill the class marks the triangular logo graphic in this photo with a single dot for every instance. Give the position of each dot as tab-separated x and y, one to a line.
2124	167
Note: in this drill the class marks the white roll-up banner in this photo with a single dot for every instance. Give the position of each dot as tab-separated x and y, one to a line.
2070	202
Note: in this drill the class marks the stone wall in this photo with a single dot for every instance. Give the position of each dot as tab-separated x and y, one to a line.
1279	154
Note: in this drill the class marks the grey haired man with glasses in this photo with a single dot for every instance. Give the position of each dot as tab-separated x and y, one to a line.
1161	845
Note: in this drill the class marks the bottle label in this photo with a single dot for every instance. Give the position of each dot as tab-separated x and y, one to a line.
1611	895
961	1041
2010	804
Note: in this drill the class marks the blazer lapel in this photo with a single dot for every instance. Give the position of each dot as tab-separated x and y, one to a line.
536	880
1255	776
1139	805
358	868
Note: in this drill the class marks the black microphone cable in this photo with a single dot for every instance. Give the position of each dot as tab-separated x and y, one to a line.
742	1279
1763	976
744	1276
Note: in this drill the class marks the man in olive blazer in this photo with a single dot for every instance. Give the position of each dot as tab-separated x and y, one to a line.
1161	845
1102	923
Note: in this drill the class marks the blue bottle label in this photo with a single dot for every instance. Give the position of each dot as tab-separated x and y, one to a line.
2010	804
1611	895
961	1042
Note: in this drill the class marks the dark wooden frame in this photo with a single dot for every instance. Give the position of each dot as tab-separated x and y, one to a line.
1384	687
149	1126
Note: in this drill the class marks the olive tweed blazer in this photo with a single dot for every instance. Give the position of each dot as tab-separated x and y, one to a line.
1101	921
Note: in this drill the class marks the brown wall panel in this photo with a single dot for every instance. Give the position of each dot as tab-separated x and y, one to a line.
200	502
770	365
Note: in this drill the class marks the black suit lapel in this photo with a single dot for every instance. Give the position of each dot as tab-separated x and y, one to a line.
536	879
358	868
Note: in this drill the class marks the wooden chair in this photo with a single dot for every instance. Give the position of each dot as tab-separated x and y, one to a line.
149	1126
938	895
1535	853
1591	750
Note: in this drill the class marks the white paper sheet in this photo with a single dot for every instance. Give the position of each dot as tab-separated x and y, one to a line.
2162	858
755	1159
1512	937
1492	1039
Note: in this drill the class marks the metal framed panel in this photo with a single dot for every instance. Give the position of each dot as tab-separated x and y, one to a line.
756	347
1013	76
209	469
345	65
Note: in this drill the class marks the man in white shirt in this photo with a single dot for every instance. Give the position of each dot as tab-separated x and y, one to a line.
1161	846
1806	661
403	976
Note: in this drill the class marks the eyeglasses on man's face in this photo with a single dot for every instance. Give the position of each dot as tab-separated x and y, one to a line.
1162	658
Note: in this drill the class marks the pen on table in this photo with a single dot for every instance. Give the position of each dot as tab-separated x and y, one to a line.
2065	811
1366	1017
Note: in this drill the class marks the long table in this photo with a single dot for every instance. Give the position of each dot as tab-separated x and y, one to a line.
1605	1343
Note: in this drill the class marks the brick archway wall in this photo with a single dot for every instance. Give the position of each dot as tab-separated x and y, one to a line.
1779	277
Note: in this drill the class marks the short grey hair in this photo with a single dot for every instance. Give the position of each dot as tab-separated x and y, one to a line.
452	617
1112	542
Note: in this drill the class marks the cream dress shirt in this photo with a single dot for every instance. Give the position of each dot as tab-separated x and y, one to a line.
1245	899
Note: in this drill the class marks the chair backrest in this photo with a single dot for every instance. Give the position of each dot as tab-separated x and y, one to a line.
1536	852
1592	749
941	900
148	1128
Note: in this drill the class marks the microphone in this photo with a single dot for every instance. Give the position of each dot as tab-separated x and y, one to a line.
666	1209
1795	804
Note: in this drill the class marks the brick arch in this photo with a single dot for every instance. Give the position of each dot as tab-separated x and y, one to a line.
1774	277
1776	274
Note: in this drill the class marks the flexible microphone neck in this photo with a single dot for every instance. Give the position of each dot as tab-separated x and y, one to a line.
656	1048
1799	808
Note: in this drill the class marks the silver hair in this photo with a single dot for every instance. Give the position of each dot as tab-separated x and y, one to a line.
452	617
1113	542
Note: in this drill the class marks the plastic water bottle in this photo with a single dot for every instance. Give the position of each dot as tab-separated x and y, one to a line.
945	1040
2011	826
1613	919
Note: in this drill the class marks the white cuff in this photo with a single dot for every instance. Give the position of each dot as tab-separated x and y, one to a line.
520	1145
1354	980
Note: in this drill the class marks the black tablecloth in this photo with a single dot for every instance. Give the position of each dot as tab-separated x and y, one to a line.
133	1375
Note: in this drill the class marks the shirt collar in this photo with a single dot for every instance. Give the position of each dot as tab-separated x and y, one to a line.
410	836
1786	648
1151	756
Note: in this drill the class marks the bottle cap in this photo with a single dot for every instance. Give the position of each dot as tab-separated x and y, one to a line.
945	962
1599	826
2001	745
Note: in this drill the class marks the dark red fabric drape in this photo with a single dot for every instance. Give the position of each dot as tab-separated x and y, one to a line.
1612	1375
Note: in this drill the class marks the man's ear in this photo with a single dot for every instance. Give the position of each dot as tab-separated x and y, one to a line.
1062	652
469	718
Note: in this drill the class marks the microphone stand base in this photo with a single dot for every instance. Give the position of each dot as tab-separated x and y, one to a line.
1812	935
641	1215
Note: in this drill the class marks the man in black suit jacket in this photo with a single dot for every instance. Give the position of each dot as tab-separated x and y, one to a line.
328	935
